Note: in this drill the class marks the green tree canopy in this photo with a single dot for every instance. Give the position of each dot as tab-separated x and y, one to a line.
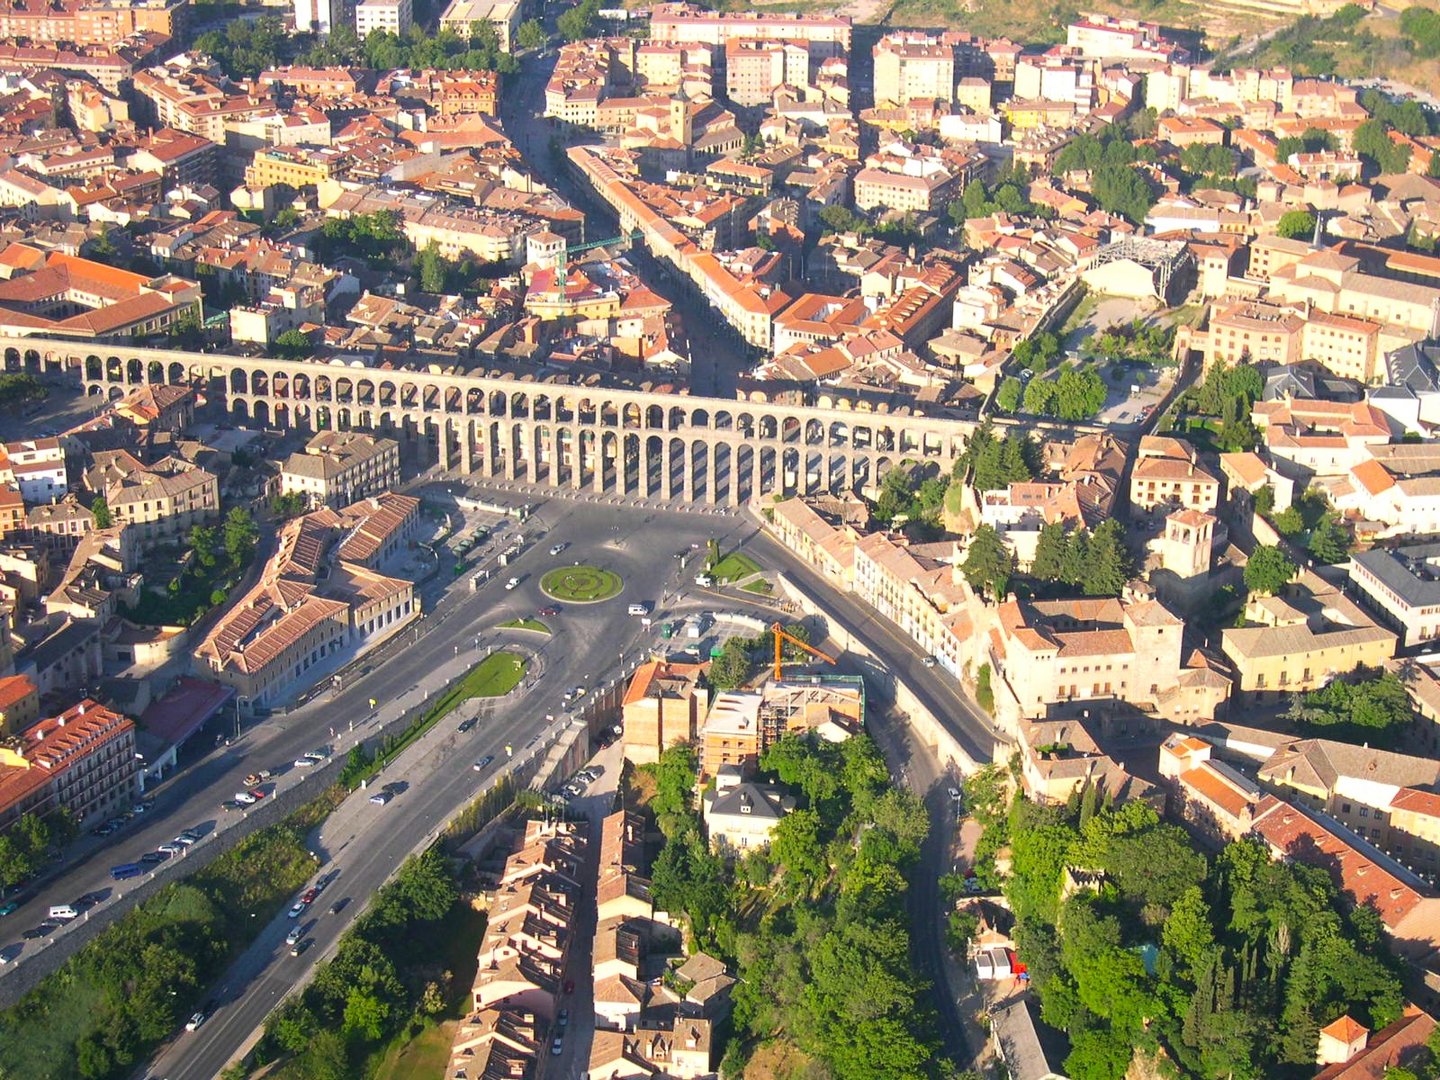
1296	224
1269	569
989	564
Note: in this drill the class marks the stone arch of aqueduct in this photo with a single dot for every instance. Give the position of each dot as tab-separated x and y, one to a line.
623	442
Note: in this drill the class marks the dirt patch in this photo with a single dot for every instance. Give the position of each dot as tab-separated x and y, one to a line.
778	1060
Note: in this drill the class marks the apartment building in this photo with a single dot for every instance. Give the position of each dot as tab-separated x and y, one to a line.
308	606
1337	283
338	467
91	22
929	600
1111	39
1401	585
1047	652
61	524
1212	797
503	15
37	467
910	66
523	956
1320	438
1059	758
391	16
679	23
19	704
904	193
755	69
1301	639
1399	486
1259	331
161	501
828	548
82	760
1408	908
296	167
664	704
1166	474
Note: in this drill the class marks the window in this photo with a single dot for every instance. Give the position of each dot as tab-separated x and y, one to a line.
1364	811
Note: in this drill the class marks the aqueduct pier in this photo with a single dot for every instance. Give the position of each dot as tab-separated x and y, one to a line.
621	442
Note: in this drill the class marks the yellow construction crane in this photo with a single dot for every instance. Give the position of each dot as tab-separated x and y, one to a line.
781	637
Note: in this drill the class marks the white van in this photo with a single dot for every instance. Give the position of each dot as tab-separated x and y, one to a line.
63	911
639	609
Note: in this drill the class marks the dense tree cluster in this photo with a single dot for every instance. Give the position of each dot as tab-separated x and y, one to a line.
576	23
737	663
1371	707
816	925
377	237
1228	392
1309	45
904	495
444	49
31	842
1230	969
1311	523
1097	564
19	388
991	463
1005	195
1137	341
375	984
116	999
1076	394
247	47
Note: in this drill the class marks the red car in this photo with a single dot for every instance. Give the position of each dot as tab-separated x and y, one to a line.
551	610
309	896
258	792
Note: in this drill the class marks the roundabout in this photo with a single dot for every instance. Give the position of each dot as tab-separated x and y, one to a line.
581	584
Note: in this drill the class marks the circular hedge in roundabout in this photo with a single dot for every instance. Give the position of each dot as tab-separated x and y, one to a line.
581	584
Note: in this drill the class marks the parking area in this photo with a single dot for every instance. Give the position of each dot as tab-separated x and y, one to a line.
1134	391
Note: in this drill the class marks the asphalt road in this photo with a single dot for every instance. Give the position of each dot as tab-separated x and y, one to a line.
366	843
937	690
718	355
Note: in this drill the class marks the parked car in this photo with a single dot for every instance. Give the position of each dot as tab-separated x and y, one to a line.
9	908
257	778
197	1018
304	762
296	933
296	909
230	804
380	798
557	1045
929	661
308	897
257	793
244	798
150	858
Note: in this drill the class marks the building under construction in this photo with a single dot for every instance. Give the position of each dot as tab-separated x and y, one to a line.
743	725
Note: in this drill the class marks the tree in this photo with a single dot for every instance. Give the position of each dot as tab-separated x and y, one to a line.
734	666
1041	397
1007	398
365	1014
1371	140
1372	708
795	844
531	34
1268	570
1296	224
101	509
1079	395
1050	548
575	24
988	565
1123	190
674	780
293	344
289	505
840	219
431	266
1108	565
1330	541
240	536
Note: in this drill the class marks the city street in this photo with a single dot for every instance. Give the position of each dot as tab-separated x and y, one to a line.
587	644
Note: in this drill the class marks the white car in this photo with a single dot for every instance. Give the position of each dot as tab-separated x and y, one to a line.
186	839
304	762
244	798
514	581
295	934
171	848
196	1019
557	549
